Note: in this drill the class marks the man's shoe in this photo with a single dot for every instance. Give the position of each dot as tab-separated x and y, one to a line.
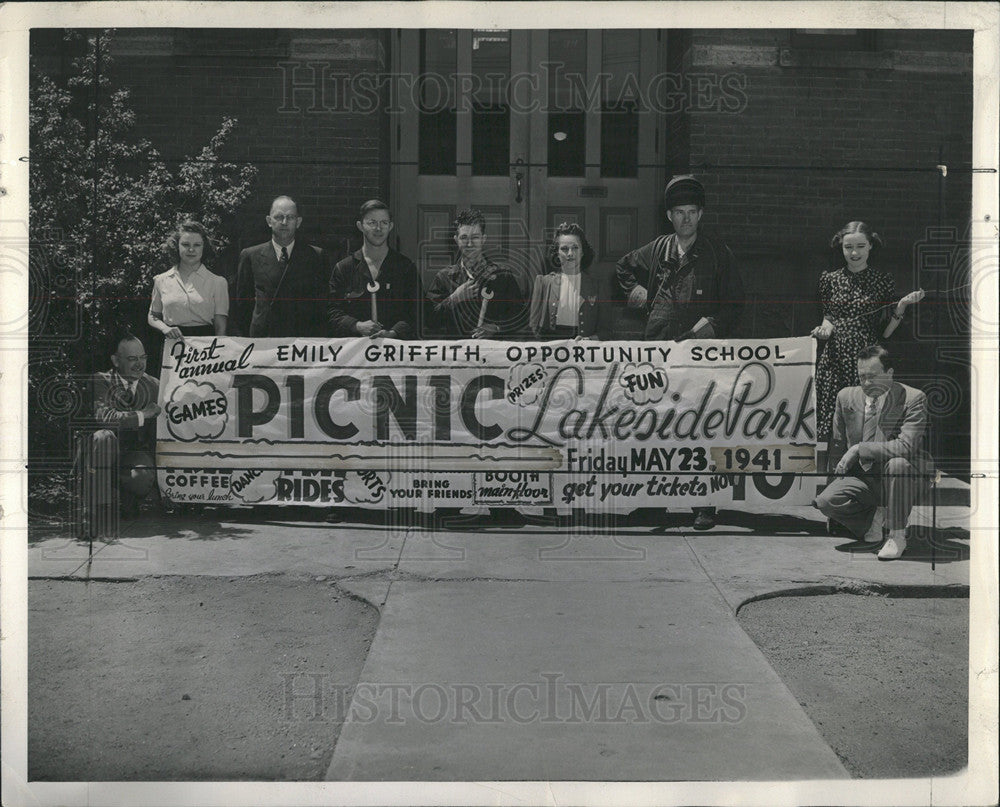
704	519
894	547
506	517
837	530
874	532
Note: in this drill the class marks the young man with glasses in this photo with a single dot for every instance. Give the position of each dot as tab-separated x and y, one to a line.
474	298
375	291
281	284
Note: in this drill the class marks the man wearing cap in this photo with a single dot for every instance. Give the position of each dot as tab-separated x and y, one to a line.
687	283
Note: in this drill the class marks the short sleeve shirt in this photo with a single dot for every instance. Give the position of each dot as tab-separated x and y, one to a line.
204	296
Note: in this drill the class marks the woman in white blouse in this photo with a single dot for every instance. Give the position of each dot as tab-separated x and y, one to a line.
189	300
565	302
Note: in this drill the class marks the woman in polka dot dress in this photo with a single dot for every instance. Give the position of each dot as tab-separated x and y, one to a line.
857	311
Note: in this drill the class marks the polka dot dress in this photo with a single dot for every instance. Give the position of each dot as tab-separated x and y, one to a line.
857	303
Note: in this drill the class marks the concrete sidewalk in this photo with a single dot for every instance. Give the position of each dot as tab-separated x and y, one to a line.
608	652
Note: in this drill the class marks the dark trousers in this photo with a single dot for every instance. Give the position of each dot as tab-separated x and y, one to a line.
107	477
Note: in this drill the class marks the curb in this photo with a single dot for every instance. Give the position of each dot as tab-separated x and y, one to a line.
865	589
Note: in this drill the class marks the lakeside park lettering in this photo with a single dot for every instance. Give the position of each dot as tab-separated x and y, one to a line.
671	421
748	412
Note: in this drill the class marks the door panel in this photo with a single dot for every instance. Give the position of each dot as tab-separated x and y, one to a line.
567	143
436	246
557	214
618	232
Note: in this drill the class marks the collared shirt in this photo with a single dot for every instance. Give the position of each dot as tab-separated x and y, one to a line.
373	268
478	270
873	406
681	252
197	301
461	318
675	288
131	387
568	310
399	296
278	248
717	293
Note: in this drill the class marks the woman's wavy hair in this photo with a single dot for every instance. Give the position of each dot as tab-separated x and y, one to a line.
552	256
852	228
172	245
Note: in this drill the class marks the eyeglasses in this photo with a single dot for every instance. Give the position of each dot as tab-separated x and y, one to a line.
281	218
376	225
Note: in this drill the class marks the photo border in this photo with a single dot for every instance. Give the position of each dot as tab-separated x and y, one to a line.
974	786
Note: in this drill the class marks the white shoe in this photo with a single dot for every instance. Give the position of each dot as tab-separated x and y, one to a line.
894	547
874	533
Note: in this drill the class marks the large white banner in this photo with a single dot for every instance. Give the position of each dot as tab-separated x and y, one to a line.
607	426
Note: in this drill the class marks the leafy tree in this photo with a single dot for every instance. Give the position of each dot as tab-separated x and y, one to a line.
102	202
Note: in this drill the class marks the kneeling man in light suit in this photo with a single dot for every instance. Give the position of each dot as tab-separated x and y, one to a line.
877	446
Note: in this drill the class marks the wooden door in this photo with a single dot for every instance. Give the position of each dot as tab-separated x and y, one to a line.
533	127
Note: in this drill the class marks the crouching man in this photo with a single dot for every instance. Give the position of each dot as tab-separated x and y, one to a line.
877	446
121	455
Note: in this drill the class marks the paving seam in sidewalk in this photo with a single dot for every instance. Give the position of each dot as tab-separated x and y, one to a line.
734	609
700	565
392	575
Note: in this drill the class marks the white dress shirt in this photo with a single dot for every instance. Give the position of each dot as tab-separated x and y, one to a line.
568	310
193	302
278	248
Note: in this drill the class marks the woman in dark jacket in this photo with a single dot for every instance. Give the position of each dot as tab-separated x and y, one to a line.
565	302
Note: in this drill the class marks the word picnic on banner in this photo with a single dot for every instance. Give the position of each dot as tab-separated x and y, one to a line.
377	423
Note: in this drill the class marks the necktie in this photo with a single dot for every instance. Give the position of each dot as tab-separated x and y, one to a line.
871	421
129	396
284	257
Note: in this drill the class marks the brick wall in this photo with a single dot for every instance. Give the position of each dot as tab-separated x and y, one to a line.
822	141
285	92
678	125
815	147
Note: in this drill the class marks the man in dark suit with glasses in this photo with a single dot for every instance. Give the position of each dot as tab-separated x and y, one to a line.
281	285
